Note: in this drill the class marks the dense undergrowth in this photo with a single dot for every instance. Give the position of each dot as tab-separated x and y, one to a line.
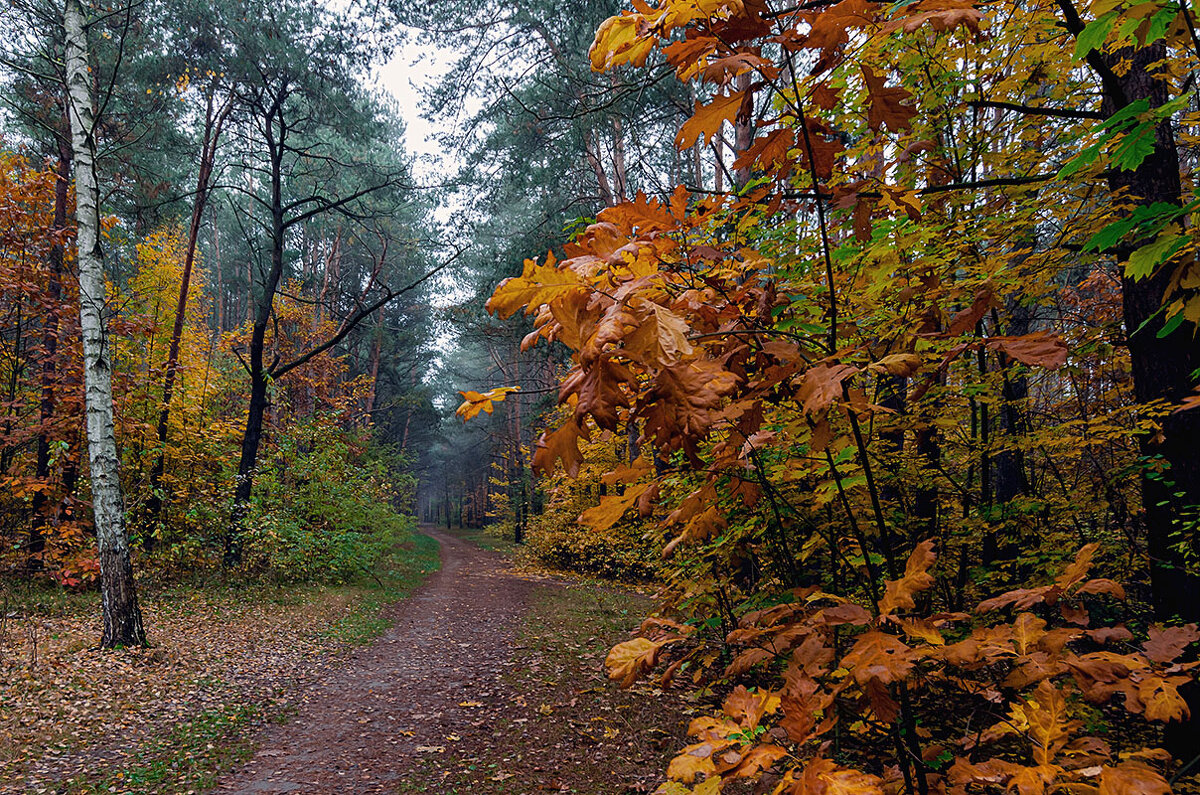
322	508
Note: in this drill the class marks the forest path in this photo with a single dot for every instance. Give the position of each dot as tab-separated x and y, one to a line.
433	680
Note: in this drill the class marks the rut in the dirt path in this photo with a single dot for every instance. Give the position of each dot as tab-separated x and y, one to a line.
424	685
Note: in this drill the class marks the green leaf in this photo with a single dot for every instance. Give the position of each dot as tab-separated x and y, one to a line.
1173	322
1126	113
1147	322
1145	260
1093	35
1149	220
1171	107
1109	236
1135	146
1081	161
1159	24
898	6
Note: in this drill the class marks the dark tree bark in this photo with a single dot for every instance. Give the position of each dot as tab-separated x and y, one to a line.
262	308
1162	366
214	121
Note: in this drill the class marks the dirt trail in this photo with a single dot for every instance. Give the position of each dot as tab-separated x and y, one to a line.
428	683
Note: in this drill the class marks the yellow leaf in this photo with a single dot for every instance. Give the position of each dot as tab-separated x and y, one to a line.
1045	715
475	402
902	365
696	760
661	338
537	285
899	593
629	660
611	508
922	630
1162	698
1079	568
619	41
1027	630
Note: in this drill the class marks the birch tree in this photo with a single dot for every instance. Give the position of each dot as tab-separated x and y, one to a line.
118	594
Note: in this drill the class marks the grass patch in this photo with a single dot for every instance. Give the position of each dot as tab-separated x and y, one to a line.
484	538
42	597
583	614
191	756
405	568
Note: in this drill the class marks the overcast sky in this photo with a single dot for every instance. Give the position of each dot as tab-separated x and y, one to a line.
413	67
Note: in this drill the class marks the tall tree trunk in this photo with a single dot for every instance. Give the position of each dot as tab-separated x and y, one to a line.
620	171
376	351
118	593
404	437
591	151
208	153
743	133
16	369
1162	367
259	393
523	498
719	162
333	268
220	281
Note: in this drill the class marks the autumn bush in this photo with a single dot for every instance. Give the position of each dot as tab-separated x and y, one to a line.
329	505
331	501
620	553
626	550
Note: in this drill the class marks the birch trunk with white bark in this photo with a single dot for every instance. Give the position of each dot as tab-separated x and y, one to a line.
118	595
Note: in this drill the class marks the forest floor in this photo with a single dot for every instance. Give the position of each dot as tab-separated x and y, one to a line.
225	659
486	679
489	681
